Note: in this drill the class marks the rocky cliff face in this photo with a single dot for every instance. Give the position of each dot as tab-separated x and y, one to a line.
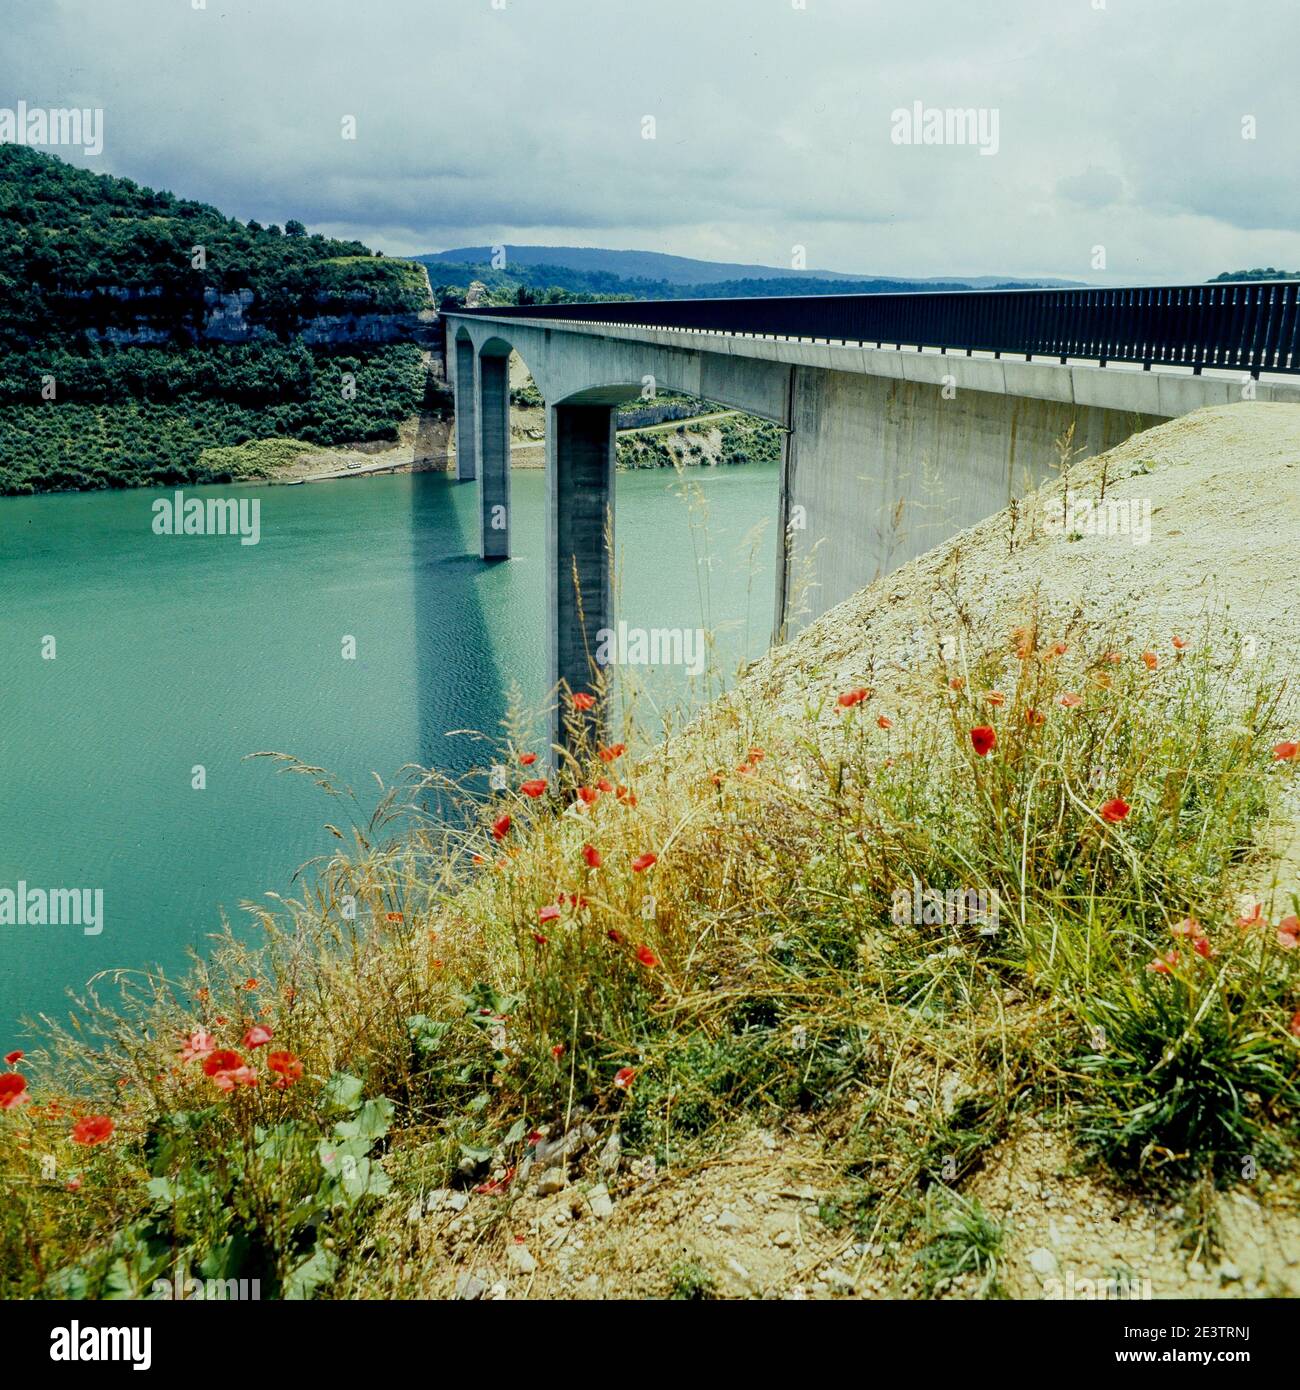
230	318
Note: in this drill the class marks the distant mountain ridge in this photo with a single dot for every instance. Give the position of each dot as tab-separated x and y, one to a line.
658	268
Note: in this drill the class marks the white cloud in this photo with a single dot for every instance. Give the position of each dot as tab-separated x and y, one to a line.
1119	126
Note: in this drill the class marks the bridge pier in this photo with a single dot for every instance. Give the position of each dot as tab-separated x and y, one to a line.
492	410
579	549
466	428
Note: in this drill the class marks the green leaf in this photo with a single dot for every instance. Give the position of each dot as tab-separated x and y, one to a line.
370	1122
342	1092
316	1270
517	1132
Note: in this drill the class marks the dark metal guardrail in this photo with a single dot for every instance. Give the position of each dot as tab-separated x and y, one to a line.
1248	326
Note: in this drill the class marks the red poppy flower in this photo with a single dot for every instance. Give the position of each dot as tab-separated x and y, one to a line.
1034	717
605	785
1288	933
13	1090
1113	657
1251	918
883	721
644	861
624	1077
527	759
535	787
250	983
393	917
983	739
1285	752
257	1036
548	913
1150	660
1115	810
592	855
223	1059
996	698
612	753
1069	700
1295	1024
588	795
93	1129
854	697
647	957
1190	928
534	1138
238	1076
615	935
557	1051
583	701
539	938
625	795
501	828
13	1058
495	1185
756	755
1162	965
287	1067
198	1045
1179	642
1022	639
1202	947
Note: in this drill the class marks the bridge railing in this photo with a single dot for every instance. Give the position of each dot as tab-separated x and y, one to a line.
1248	326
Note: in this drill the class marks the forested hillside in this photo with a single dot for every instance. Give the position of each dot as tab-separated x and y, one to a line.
138	329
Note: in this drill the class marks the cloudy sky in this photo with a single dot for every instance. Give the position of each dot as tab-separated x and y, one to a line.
1120	124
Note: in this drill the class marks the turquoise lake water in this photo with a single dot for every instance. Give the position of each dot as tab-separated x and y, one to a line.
173	652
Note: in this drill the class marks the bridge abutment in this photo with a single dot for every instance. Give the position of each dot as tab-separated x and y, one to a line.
492	408
579	554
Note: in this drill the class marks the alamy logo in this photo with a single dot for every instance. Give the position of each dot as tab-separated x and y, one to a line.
77	1343
179	515
655	646
38	125
919	124
1081	516
53	907
1115	1287
951	907
182	1288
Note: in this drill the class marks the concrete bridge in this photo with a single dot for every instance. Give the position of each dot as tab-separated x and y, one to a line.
906	417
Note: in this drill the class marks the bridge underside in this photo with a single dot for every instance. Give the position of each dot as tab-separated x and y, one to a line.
886	453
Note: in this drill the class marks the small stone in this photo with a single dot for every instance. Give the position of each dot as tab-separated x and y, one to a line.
552	1180
911	1105
521	1258
783	1239
729	1221
1042	1262
838	1279
1229	1273
470	1288
610	1154
497	1292
600	1202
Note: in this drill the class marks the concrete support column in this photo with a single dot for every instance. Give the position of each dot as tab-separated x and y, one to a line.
784	539
579	545
492	410
466	427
